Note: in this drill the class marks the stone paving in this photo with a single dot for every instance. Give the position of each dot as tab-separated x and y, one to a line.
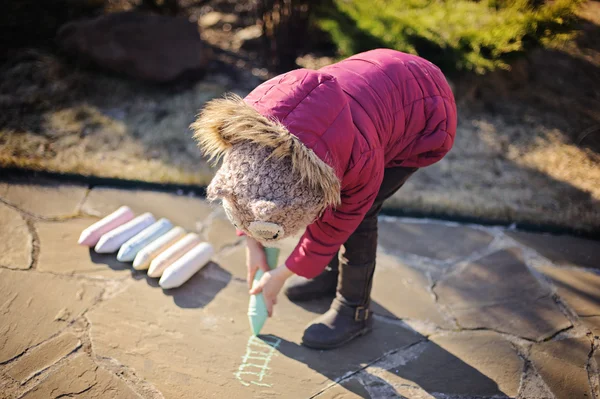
460	312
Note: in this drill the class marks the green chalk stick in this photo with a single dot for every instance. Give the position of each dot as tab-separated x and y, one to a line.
257	309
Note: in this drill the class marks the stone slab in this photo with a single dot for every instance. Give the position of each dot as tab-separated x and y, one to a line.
593	323
467	364
81	378
204	323
50	200
562	250
401	292
187	212
487	352
42	357
562	365
36	306
15	240
59	252
431	240
219	231
500	293
579	288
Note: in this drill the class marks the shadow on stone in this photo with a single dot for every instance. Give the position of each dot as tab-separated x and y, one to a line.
410	363
197	292
202	288
109	260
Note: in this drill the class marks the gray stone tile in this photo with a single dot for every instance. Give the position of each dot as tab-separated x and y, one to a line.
593	323
499	292
468	364
36	306
401	292
579	288
48	200
80	377
60	253
488	353
431	240
562	250
187	212
42	357
15	240
193	339
219	231
562	365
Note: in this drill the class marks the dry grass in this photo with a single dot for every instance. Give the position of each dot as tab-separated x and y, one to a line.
513	162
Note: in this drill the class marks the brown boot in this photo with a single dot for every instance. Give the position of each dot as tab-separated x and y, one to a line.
300	289
349	316
338	326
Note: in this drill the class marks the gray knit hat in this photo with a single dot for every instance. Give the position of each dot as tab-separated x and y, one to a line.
271	185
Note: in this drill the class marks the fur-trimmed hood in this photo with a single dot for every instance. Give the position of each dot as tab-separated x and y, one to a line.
281	122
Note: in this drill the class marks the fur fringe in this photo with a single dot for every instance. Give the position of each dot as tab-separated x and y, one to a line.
227	121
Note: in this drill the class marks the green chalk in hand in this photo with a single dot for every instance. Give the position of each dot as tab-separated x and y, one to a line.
257	309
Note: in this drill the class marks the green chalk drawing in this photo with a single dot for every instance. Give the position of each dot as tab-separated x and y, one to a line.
257	309
255	363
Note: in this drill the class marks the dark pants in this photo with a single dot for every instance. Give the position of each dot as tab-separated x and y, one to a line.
357	259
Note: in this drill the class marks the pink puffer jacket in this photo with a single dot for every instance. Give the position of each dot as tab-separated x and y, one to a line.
372	111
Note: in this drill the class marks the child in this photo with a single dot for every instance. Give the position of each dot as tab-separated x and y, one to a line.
317	152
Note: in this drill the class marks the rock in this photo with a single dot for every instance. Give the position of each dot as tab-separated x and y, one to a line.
430	240
15	240
35	306
43	357
182	211
81	378
46	200
498	292
148	47
562	365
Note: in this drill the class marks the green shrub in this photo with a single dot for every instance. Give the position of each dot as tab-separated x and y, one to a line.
457	35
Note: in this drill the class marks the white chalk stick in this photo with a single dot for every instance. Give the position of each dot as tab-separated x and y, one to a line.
186	266
148	253
112	241
90	236
135	244
171	254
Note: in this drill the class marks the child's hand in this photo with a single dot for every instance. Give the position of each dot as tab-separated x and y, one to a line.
270	284
255	259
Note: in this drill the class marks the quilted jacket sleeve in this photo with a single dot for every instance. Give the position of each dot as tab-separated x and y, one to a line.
322	239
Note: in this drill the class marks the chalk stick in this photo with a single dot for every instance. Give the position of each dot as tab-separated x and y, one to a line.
171	254
136	243
112	241
148	253
90	236
185	267
257	308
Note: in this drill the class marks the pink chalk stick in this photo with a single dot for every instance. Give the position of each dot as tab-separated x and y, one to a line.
90	236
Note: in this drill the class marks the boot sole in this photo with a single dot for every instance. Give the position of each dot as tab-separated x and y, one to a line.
360	333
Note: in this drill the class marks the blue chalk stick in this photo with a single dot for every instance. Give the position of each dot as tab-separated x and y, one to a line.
130	248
